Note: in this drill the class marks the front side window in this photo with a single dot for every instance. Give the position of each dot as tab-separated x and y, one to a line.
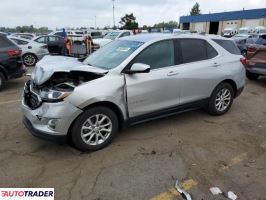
125	34
40	40
157	55
113	54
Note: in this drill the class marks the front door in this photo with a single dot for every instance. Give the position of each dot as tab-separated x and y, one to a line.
158	89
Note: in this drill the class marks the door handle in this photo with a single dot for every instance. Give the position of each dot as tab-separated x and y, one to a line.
172	73
216	65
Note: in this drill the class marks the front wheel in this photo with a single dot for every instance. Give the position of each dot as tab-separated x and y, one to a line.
221	99
94	129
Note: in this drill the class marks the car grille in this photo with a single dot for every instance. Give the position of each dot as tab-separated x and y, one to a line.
31	99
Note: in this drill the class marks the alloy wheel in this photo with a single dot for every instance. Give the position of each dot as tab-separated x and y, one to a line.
96	129
29	60
223	99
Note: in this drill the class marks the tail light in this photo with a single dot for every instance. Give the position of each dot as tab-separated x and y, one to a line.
243	60
251	49
13	52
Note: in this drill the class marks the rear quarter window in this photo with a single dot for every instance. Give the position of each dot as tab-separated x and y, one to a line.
5	42
228	45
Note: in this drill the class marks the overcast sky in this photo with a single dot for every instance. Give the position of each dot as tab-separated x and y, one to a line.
70	13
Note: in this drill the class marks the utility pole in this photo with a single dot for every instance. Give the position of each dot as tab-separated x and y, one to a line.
113	13
95	22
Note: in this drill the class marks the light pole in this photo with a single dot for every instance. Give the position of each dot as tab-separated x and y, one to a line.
95	22
113	12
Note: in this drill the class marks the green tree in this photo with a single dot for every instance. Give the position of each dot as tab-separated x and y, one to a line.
170	24
195	10
129	22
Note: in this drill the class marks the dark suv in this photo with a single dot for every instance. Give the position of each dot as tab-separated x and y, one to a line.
10	61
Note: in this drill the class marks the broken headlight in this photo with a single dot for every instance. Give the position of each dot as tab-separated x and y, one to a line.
53	95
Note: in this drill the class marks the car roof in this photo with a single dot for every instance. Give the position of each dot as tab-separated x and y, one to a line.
158	36
19	38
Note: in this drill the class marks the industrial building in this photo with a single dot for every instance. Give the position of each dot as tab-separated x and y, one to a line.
215	23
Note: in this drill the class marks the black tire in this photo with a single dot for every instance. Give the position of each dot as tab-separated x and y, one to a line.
29	63
212	108
2	80
252	76
76	131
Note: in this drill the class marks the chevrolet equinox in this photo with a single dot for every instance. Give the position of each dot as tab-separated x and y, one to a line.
130	80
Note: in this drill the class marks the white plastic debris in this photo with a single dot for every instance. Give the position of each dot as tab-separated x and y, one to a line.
183	193
216	191
231	195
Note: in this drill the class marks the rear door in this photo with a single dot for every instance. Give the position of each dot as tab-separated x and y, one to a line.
200	63
53	44
158	89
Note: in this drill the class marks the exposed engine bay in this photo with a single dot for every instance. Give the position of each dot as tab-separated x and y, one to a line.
67	81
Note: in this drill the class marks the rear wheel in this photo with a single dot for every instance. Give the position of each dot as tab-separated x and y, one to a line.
252	76
29	60
94	129
2	80
221	99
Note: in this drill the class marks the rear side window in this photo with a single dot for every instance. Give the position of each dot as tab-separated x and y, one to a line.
19	42
158	55
193	50
4	42
228	45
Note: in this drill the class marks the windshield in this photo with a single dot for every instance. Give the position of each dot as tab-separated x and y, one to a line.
113	54
111	35
243	32
227	31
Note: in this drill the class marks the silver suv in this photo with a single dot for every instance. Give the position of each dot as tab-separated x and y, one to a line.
131	80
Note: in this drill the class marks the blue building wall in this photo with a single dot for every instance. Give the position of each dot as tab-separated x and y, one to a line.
224	16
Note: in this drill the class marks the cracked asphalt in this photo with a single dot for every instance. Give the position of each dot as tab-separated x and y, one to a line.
143	162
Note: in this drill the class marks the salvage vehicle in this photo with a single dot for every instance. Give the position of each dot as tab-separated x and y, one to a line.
129	81
256	58
229	32
56	44
32	51
109	37
11	65
243	43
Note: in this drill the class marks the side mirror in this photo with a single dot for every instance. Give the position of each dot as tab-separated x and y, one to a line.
139	68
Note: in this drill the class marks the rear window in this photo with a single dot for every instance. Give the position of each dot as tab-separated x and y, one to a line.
4	42
261	40
228	45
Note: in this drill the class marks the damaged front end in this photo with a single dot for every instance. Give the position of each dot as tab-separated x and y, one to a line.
53	84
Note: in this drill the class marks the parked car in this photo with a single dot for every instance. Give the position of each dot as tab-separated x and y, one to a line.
32	51
76	36
113	35
131	80
245	30
56	44
11	65
243	43
256	58
260	30
28	36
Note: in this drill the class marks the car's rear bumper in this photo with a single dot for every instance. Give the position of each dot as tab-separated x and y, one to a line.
19	73
258	68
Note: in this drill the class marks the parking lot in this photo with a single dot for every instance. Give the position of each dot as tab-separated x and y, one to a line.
143	162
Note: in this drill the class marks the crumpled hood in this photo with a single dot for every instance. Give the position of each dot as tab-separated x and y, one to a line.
102	41
46	67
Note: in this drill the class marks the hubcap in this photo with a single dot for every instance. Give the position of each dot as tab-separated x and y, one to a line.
223	99
29	60
96	129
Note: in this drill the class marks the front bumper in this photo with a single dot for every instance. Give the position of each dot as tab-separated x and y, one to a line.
61	114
